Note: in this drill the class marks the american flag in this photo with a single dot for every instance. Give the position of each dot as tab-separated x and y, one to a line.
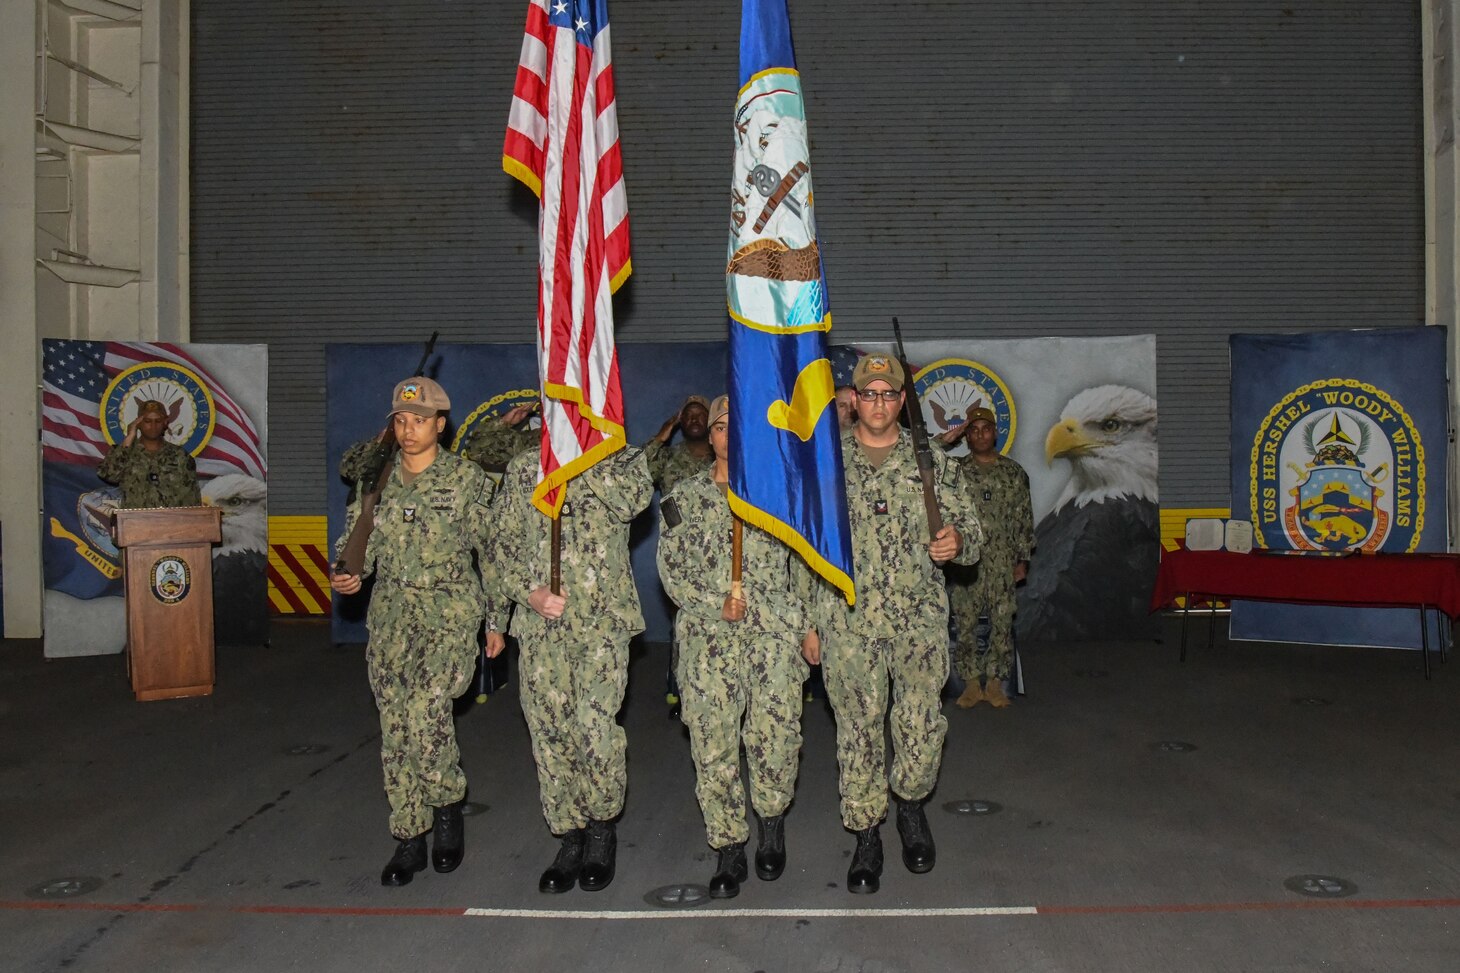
562	142
75	376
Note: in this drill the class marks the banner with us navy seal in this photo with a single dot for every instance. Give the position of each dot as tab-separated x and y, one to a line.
1339	445
216	398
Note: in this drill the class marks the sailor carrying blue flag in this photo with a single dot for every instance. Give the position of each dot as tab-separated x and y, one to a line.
875	502
785	456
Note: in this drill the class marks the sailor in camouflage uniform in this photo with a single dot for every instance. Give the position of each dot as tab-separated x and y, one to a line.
739	660
1000	488
427	607
667	466
151	471
492	445
575	649
897	630
692	454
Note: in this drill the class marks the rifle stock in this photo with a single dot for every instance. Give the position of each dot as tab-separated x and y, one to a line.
922	451
352	556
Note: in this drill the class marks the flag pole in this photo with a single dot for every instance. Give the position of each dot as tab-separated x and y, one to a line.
737	556
556	579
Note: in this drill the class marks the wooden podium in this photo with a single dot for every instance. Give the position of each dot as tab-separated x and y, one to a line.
167	567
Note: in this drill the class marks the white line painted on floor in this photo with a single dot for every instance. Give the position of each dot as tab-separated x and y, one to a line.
707	912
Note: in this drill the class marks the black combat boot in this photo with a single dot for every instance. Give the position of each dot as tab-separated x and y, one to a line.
864	877
599	857
409	858
918	853
730	872
562	874
448	837
770	855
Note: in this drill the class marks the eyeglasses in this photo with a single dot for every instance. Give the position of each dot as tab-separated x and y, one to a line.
871	395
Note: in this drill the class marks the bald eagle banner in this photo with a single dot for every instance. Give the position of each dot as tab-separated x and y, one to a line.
1339	445
1079	414
216	399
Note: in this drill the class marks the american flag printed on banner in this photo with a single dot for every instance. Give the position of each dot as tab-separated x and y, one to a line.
75	379
562	143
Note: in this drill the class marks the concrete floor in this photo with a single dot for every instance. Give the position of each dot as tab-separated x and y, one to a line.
215	848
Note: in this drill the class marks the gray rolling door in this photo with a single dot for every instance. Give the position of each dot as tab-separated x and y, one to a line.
994	169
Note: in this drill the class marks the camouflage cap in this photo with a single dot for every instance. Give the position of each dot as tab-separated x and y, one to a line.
419	396
719	408
984	413
695	400
874	367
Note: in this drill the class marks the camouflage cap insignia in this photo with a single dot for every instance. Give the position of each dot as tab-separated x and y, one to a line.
409	392
877	364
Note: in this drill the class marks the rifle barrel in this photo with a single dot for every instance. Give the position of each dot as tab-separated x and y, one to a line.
922	451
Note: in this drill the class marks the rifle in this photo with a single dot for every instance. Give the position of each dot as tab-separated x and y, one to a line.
352	557
921	450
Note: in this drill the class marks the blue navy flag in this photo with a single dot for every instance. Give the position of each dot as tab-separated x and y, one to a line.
785	449
1339	444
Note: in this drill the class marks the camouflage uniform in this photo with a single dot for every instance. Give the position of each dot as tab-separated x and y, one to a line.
728	671
667	466
898	629
360	459
670	464
493	444
165	478
574	669
1001	492
424	616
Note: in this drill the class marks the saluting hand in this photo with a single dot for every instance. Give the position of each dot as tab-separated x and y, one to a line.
345	584
667	430
945	545
517	413
545	603
956	433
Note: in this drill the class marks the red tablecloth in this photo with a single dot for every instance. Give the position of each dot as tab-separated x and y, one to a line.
1407	580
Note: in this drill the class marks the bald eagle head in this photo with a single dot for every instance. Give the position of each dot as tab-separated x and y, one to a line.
1108	435
243	500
